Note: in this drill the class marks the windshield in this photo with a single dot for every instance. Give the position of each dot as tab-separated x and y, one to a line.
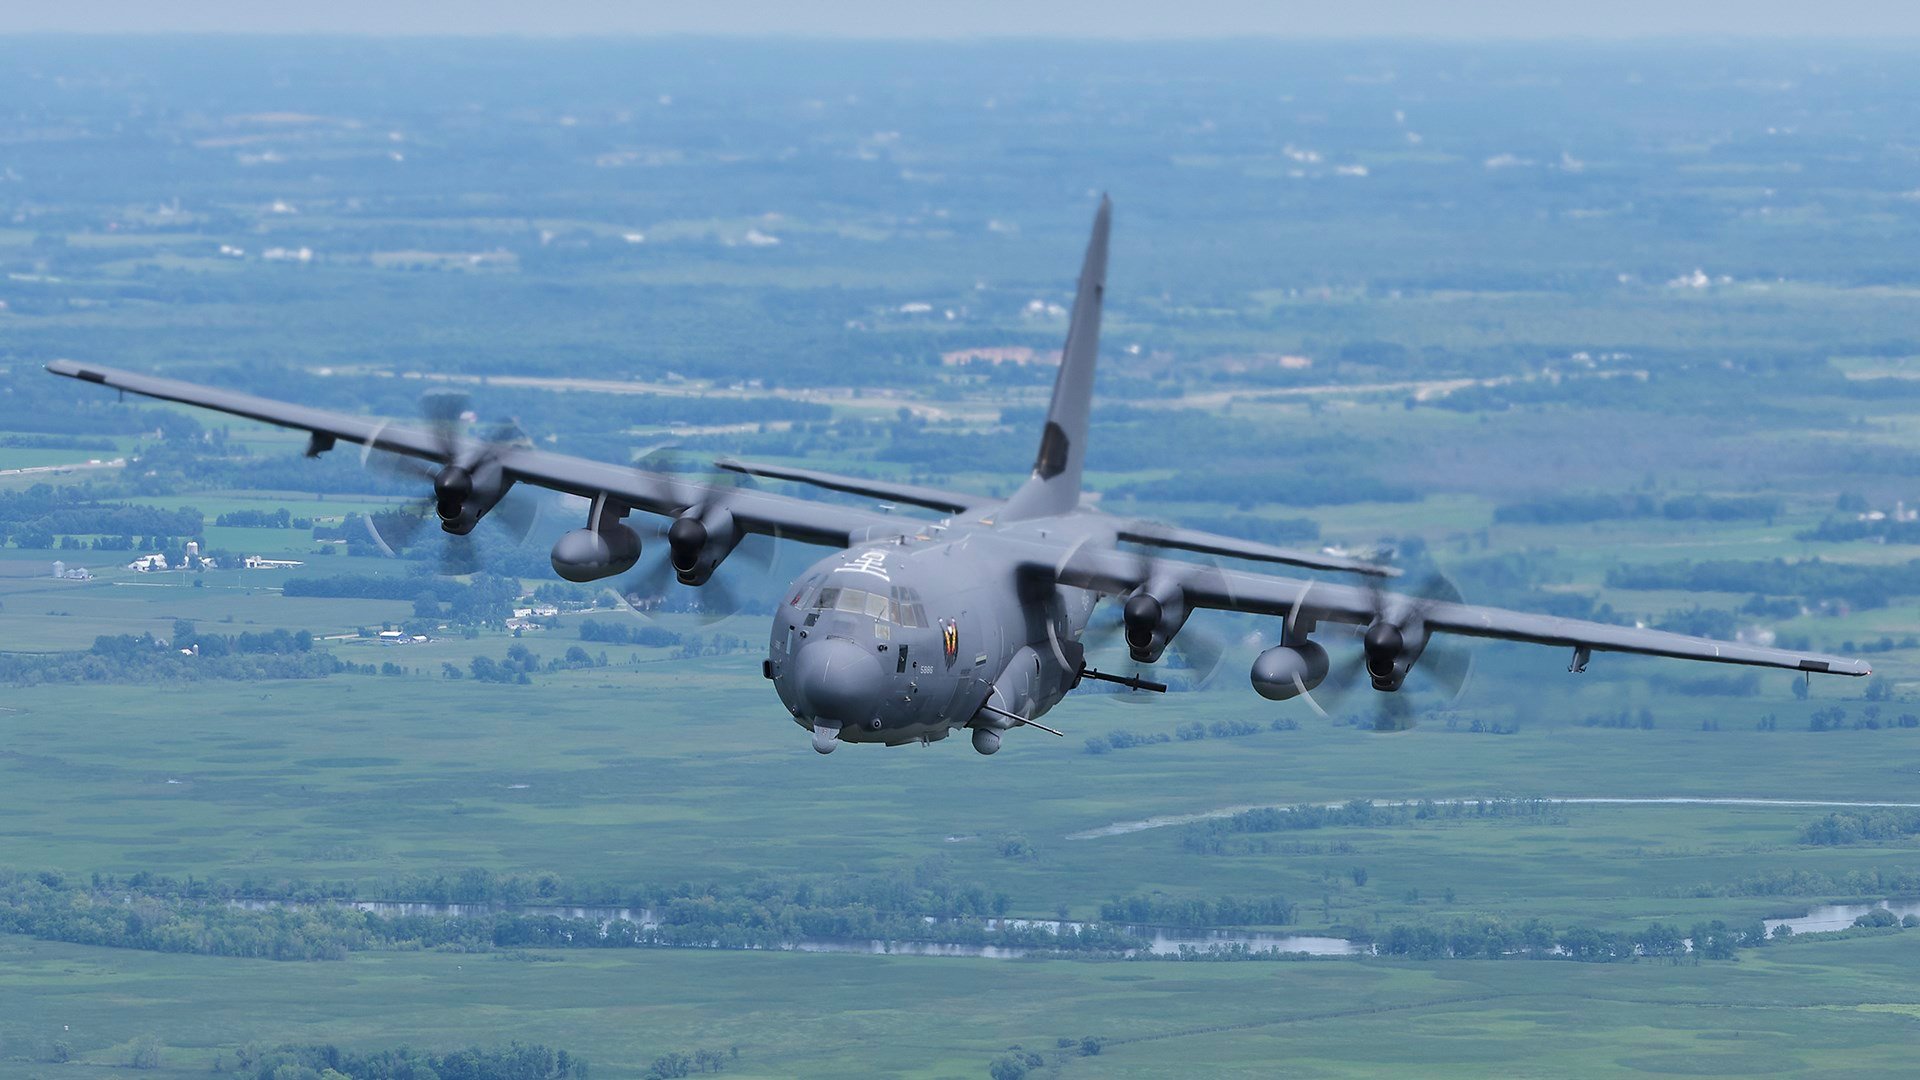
901	606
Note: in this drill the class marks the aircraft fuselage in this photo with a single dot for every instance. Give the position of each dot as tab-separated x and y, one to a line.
904	640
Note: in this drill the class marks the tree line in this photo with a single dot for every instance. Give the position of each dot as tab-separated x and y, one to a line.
143	658
325	1061
40	515
1216	836
1583	509
1861	586
162	914
486	599
1854	826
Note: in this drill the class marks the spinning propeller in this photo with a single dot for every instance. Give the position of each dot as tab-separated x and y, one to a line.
1155	618
469	487
1394	647
688	550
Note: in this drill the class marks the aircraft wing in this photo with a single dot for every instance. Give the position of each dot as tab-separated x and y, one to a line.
945	502
1206	543
1303	603
756	511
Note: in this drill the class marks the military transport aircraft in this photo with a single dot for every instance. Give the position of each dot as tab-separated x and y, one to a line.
915	628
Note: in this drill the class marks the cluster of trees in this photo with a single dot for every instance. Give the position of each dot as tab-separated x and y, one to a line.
276	654
1840	530
1852	523
1451	720
1834	718
45	906
262	519
1882	918
1194	911
1125	740
1854	826
1495	939
170	546
1870	881
1219	729
14	441
1859	585
1581	509
269	642
485	600
1217	836
628	632
1015	1064
43	515
320	1061
1624	718
1189	732
521	663
300	923
676	1064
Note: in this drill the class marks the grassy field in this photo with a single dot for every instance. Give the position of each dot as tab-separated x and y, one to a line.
642	773
1831	1009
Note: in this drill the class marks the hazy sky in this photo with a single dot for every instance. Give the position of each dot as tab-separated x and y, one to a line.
1868	19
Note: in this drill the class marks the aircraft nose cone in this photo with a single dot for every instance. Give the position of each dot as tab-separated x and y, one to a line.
839	682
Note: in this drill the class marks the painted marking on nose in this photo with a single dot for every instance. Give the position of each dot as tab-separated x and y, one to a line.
868	562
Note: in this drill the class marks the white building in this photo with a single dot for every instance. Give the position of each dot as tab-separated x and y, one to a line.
255	562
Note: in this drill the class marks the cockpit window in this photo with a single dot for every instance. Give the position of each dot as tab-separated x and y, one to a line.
900	606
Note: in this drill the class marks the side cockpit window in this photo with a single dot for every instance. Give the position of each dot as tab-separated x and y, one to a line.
908	611
801	590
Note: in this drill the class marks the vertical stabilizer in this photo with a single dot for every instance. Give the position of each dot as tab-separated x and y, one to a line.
1054	487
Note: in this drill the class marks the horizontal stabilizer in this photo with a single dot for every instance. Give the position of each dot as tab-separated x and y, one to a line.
1207	543
912	494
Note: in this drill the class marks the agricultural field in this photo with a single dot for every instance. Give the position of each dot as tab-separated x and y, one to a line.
1495	315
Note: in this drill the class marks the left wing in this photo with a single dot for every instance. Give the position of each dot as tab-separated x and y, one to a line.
945	502
755	511
1304	603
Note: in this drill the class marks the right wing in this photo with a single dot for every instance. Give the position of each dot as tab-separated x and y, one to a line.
1304	603
756	511
1206	543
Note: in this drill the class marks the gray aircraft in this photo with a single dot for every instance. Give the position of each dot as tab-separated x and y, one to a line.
912	629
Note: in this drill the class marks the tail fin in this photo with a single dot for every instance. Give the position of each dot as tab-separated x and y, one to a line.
1054	487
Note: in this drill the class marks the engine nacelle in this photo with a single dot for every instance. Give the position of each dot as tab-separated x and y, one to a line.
1390	652
463	493
1152	614
592	554
697	542
1287	671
